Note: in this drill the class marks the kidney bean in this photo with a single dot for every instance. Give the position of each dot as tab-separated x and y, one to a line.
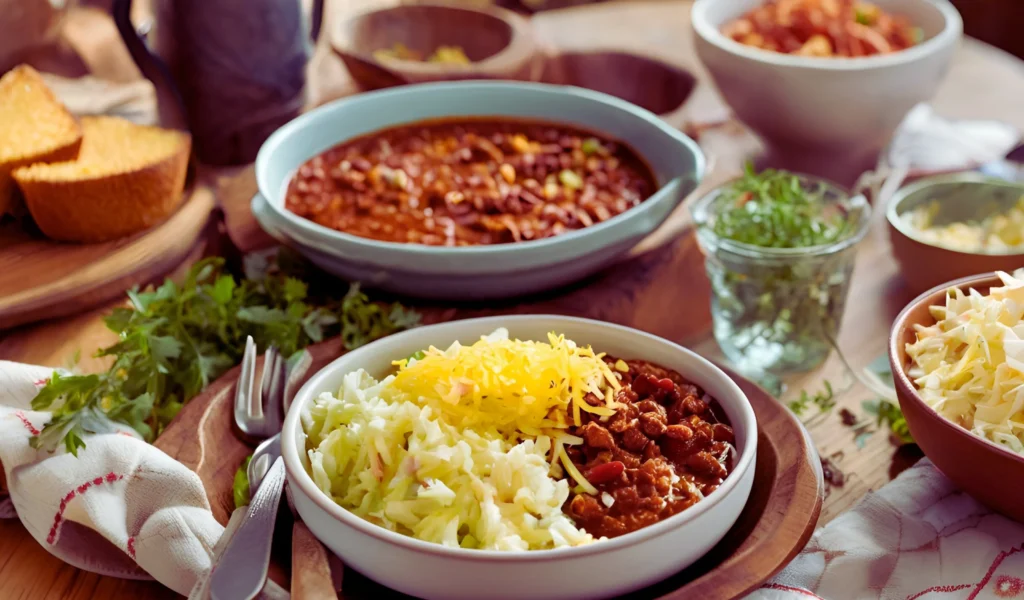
605	473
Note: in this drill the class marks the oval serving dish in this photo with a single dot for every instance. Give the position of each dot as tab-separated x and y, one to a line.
474	272
599	570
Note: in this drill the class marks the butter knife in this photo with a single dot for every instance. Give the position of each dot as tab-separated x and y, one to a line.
242	570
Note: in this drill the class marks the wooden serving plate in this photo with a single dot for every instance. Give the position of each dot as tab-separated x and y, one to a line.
775	525
43	279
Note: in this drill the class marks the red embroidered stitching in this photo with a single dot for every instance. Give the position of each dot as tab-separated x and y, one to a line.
786	588
940	588
131	547
992	569
59	517
28	424
1008	586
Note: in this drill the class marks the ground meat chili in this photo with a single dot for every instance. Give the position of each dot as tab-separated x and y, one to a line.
471	182
661	453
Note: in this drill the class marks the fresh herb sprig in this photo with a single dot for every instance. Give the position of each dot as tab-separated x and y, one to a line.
174	340
824	400
890	415
777	209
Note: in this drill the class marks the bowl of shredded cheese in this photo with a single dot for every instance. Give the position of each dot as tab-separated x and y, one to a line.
957	354
527	456
951	226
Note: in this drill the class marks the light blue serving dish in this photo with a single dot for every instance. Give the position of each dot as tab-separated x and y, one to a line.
473	272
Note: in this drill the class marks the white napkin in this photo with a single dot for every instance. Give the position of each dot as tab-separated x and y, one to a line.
916	538
121	508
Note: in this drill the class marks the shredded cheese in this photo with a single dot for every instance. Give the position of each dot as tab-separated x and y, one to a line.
511	386
516	389
969	365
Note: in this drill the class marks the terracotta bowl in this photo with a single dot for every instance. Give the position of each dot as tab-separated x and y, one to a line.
499	43
981	468
961	197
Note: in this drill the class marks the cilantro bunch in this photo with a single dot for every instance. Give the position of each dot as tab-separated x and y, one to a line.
175	340
777	209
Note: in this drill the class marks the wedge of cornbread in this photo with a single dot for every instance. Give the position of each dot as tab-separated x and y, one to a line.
34	127
126	178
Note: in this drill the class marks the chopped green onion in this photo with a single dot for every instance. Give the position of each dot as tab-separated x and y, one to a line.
570	179
591	146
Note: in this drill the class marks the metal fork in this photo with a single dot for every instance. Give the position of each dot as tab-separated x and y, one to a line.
259	411
242	570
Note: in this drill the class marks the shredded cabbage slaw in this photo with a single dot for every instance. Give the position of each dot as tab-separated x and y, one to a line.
459	447
969	365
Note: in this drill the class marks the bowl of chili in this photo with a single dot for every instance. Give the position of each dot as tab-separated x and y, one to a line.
821	108
666	389
472	190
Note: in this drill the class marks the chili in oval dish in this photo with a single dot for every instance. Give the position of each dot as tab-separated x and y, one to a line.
469	182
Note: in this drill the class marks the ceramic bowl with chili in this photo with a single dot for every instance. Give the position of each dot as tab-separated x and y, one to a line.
472	190
958	397
822	80
635	488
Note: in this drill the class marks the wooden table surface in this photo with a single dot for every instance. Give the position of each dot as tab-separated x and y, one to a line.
664	292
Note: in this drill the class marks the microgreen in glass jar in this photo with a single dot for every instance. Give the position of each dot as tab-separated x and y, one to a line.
779	251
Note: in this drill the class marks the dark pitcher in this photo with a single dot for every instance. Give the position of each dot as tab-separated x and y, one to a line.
229	71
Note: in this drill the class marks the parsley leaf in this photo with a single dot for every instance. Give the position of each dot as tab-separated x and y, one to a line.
824	400
173	341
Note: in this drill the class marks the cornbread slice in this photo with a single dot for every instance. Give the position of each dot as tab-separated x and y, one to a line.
34	127
127	178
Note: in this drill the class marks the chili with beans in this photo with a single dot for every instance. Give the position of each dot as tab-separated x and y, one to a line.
469	182
662	452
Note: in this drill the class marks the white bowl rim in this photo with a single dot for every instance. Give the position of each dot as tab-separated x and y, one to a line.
298	475
292	127
892	213
951	31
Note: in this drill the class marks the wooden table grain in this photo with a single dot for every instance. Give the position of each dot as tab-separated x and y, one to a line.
664	292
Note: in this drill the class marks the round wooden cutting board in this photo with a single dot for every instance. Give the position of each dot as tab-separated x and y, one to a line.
43	279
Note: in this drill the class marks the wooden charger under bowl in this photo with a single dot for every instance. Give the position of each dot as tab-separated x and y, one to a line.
774	526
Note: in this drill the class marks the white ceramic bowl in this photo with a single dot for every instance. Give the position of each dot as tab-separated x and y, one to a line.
847	107
599	570
474	272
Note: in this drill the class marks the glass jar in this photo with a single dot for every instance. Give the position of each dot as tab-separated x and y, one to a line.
778	310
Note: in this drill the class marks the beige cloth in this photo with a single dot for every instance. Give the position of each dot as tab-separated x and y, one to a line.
918	538
121	508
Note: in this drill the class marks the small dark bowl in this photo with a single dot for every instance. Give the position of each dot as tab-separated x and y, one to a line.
499	43
961	197
649	83
983	469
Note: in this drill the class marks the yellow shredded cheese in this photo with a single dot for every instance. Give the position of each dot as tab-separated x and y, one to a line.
517	389
511	386
969	365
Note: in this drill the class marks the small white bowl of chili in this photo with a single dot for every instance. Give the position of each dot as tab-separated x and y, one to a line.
601	569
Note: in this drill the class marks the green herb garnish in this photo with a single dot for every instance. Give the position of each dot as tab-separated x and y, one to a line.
570	179
176	339
776	209
240	488
891	416
824	400
591	146
775	311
